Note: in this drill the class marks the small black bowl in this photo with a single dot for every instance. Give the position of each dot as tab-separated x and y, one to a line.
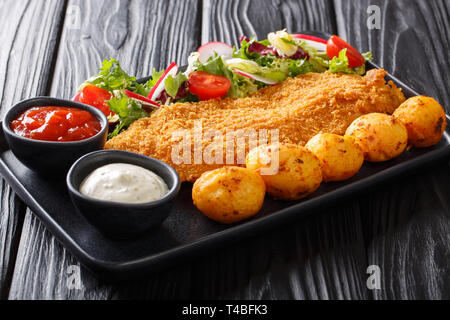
50	158
122	220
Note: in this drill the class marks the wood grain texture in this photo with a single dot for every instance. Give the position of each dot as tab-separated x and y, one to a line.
11	219
148	35
413	42
407	225
408	232
287	263
42	269
25	65
228	20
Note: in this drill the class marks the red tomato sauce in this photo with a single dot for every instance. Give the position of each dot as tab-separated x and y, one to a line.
56	124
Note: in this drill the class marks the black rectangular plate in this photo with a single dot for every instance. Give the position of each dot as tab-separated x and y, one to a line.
186	232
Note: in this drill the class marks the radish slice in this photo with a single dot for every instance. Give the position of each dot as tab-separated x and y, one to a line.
314	42
242	61
312	38
316	45
172	70
255	77
77	97
208	50
142	99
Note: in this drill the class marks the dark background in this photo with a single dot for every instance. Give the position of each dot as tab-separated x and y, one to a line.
403	227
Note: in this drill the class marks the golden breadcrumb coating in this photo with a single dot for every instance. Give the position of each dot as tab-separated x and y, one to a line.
298	107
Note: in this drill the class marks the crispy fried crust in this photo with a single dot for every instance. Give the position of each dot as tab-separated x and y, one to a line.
299	108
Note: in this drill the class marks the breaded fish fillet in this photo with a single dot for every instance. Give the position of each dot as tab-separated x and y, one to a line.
299	108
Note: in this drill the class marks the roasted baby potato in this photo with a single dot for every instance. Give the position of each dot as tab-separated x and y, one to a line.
424	119
340	156
229	194
381	137
297	171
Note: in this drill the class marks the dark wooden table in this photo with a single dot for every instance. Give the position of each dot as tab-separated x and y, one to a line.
50	47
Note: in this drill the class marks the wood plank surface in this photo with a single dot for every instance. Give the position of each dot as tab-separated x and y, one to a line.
406	225
228	20
29	35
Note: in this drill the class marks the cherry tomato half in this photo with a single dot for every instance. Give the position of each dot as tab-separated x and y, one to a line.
336	45
208	86
96	97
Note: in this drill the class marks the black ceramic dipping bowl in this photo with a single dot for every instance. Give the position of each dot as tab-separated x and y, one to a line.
50	158
122	220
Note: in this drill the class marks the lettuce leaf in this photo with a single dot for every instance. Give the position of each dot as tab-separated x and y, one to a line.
243	86
129	110
172	85
277	68
340	64
298	67
368	56
243	65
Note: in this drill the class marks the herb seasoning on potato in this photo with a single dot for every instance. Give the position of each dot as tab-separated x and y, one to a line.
299	172
381	137
424	119
229	194
340	156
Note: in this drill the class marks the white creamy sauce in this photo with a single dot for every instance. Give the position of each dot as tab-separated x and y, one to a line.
124	183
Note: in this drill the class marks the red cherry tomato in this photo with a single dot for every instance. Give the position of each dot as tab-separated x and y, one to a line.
96	97
336	45
208	86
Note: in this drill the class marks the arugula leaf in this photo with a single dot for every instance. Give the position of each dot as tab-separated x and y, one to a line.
172	85
140	89
129	110
154	79
111	77
144	89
